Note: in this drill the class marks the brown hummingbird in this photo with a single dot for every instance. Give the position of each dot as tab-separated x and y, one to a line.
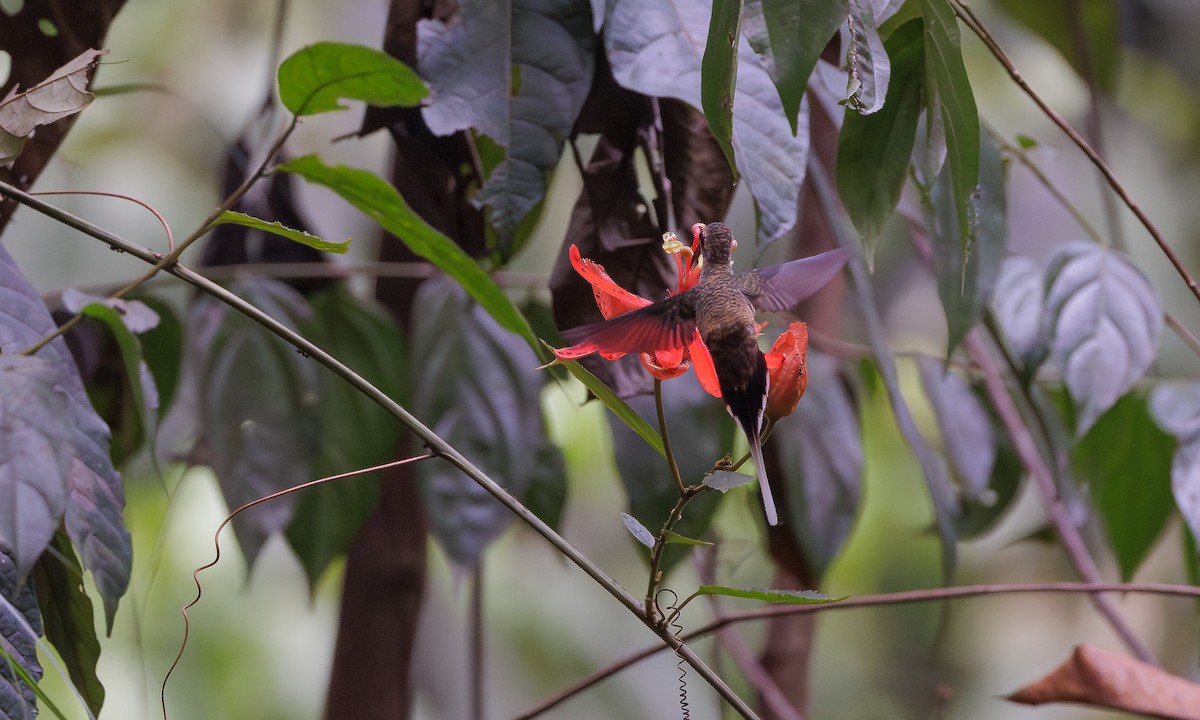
721	307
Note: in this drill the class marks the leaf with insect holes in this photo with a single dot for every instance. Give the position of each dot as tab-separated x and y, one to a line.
869	68
96	498
1103	321
785	597
314	79
638	530
276	228
62	94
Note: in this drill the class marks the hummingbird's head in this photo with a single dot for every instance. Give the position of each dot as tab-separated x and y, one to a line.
717	244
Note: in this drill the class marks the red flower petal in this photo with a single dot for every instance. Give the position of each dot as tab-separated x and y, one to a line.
611	298
785	365
706	372
663	372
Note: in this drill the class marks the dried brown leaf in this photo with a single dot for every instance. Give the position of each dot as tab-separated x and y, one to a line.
1107	679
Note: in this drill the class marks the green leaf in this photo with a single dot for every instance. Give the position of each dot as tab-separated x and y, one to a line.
795	35
785	597
62	94
355	432
966	282
1098	25
162	349
259	423
1103	320
1127	459
869	68
619	407
718	73
638	530
518	73
377	198
675	538
314	79
67	616
949	95
229	217
124	318
35	457
726	480
874	150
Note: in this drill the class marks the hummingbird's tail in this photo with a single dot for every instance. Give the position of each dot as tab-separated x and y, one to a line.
746	403
764	487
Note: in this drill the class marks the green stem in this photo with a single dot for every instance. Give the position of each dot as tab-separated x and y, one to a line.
666	439
431	440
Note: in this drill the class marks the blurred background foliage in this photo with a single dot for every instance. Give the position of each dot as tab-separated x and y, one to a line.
262	642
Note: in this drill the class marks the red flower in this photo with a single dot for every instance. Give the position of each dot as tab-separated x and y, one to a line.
785	365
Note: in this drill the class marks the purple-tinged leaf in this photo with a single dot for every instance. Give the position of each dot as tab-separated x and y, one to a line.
965	426
20	627
1175	406
1017	302
1103	321
726	480
638	530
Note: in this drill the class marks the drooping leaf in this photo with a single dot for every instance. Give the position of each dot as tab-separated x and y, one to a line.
790	36
950	98
96	501
638	530
655	50
62	94
66	612
124	318
1175	407
966	282
964	424
377	198
162	349
874	150
701	433
1103	320
718	72
1127	460
783	597
619	407
315	79
477	386
355	431
726	480
35	458
518	73
1114	681
820	451
259	427
1017	302
867	61
276	228
20	628
1096	29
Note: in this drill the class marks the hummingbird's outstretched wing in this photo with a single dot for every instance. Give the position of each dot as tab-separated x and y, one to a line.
666	324
780	287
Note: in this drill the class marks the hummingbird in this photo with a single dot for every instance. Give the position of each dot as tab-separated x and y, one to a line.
721	307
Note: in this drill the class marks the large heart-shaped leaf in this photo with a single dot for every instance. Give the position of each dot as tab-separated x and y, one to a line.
518	73
1103	321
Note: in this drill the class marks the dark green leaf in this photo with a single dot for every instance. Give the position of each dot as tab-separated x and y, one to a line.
653	51
35	458
377	198
794	35
785	597
638	530
259	427
518	73
1127	459
1097	29
96	500
966	282
949	96
675	538
874	150
229	217
966	429
162	349
478	387
867	60
355	432
726	480
619	407
20	627
1103	320
67	615
124	318
718	72
314	79
820	452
